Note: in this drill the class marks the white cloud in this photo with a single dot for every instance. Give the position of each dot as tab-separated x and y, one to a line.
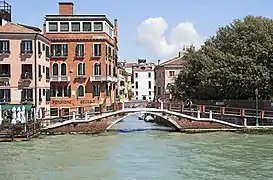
151	33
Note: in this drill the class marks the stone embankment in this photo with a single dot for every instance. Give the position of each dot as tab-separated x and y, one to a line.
91	127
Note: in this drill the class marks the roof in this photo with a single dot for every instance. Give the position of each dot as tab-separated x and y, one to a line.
174	61
10	27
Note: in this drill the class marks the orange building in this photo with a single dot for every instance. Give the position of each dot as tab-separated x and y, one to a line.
83	61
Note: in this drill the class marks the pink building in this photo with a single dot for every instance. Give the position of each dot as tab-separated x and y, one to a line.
24	65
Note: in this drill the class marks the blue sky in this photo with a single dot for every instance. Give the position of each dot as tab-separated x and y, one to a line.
206	16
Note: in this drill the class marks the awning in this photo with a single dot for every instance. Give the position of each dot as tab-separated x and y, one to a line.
10	106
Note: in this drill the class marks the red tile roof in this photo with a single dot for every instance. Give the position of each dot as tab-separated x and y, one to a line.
10	27
174	61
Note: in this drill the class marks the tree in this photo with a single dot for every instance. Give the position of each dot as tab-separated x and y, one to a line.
231	64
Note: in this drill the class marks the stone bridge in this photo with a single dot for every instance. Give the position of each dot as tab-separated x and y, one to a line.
96	123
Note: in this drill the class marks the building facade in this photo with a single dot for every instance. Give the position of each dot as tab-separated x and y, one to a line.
83	61
24	67
124	84
143	80
165	74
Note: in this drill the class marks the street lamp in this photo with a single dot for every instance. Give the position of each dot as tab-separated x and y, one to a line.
256	94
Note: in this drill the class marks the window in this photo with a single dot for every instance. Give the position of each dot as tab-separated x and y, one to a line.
40	94
75	26
107	90
80	91
39	48
136	75
44	92
4	70
60	91
97	69
110	70
106	71
86	26
79	50
171	73
98	26
114	71
47	72
81	69
48	95
4	95
136	93
55	69
53	27
150	93
54	112
4	47
47	51
59	50
121	83
136	85
63	69
27	95
149	84
40	70
64	26
96	90
149	75
26	71
97	50
26	46
136	98
109	51
159	91
65	111
43	47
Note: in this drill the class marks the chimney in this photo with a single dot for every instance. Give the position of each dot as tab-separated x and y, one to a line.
116	28
66	8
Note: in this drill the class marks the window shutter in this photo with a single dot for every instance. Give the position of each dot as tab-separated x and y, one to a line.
69	91
30	48
8	48
22	46
83	69
76	50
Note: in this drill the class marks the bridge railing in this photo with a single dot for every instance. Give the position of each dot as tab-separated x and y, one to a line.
228	114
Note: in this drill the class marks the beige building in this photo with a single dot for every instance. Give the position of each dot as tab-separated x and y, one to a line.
24	67
165	74
124	84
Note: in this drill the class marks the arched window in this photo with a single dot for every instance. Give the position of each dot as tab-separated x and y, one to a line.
80	91
55	69
122	83
63	69
97	69
81	69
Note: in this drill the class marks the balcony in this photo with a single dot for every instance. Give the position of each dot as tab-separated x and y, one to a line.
4	52
27	100
4	100
27	76
4	75
26	52
60	79
99	78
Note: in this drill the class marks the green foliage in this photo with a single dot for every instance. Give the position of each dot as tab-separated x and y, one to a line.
231	64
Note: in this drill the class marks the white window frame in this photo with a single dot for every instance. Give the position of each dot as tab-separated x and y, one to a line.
94	49
78	69
66	67
83	48
94	68
57	68
93	28
78	91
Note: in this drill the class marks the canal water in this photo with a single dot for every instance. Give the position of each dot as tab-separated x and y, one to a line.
145	155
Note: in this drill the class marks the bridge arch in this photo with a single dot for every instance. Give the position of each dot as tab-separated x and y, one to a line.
177	126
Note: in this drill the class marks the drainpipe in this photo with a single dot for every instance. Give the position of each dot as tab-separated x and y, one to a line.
35	77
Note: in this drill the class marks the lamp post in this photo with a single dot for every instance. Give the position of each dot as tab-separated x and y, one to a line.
256	94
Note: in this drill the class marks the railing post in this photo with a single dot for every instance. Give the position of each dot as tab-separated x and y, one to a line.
198	114
123	106
245	122
86	116
210	114
1	118
73	116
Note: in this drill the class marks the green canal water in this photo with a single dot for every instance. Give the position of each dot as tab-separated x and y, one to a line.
148	155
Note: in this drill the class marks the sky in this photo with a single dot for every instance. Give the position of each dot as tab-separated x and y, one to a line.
151	29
